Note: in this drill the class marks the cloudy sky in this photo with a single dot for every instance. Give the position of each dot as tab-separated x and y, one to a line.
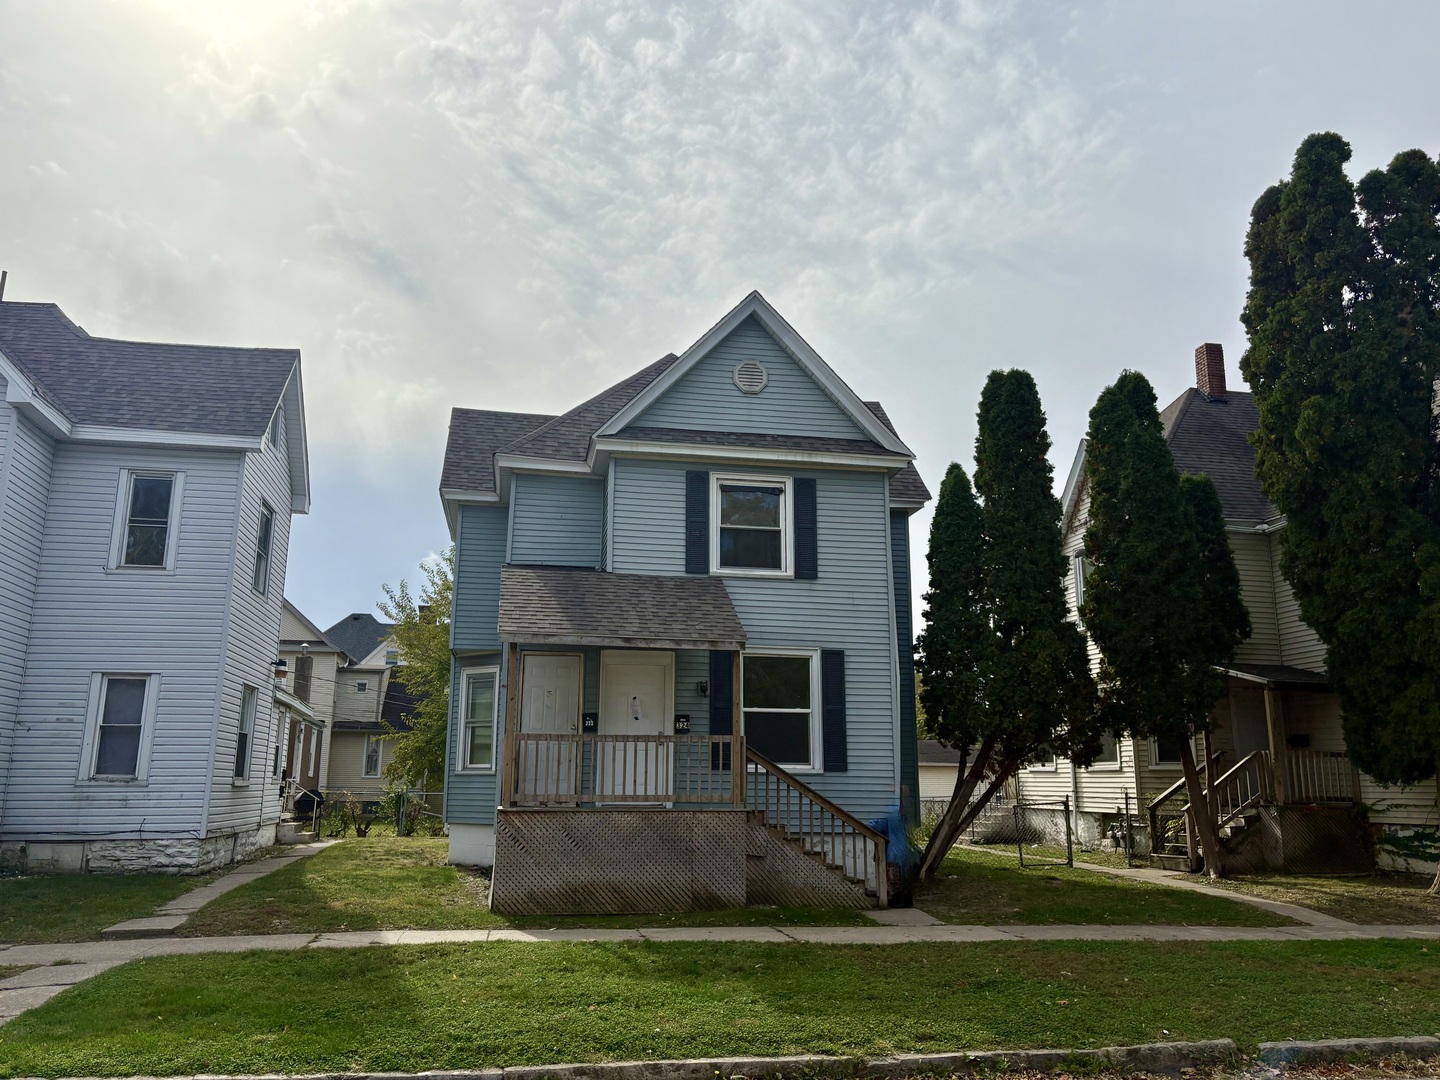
512	205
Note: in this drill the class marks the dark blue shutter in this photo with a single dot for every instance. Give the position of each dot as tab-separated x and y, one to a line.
722	703
832	710
807	556
697	523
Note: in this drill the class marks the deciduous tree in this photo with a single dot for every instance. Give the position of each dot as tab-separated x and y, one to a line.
422	634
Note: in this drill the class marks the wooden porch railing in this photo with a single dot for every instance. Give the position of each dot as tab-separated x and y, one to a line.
1319	776
647	770
1245	785
800	813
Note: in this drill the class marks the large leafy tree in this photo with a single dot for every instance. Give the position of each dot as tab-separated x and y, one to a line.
422	634
1343	356
1006	674
1162	601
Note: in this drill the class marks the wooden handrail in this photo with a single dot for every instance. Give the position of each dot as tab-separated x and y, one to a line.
1175	788
805	793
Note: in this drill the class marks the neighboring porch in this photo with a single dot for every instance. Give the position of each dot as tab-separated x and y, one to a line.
625	782
1278	781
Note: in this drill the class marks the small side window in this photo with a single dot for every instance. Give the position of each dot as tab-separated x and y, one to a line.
361	686
477	749
372	755
249	701
260	579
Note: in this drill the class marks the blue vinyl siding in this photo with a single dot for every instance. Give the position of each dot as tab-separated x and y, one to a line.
847	607
556	520
706	398
905	657
480	552
470	797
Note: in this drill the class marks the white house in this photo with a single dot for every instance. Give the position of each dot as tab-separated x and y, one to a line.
146	492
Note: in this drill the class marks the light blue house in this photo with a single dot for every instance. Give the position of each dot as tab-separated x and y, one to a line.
682	640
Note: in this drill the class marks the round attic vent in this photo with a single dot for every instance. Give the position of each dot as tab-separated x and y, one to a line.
751	376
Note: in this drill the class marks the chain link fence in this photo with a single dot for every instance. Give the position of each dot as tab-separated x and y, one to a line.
1011	832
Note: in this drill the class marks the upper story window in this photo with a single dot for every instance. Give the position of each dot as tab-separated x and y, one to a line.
361	686
261	576
751	524
146	525
272	433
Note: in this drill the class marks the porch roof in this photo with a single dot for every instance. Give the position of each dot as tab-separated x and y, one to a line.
1281	675
553	605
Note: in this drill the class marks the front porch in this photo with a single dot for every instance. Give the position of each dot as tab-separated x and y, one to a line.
625	780
1278	782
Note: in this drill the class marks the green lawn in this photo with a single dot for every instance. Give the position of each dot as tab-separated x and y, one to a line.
982	888
1373	899
384	883
76	907
464	1007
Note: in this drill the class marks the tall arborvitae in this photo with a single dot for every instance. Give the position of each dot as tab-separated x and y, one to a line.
1162	601
1343	317
1033	693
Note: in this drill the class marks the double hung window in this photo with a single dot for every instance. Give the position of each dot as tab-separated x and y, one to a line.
372	756
752	524
1165	752
244	737
780	706
148	503
477	737
121	723
260	579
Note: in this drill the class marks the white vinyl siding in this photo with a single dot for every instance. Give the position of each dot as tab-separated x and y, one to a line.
1251	552
245	733
88	618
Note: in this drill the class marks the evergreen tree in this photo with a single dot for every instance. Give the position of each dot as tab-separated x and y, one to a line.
1028	690
1163	599
422	633
1343	317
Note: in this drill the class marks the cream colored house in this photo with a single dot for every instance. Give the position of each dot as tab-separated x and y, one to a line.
1283	783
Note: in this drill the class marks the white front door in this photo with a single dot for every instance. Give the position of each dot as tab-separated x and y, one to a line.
637	698
549	705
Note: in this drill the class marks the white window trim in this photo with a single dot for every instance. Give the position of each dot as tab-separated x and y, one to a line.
1156	763
122	518
462	752
244	780
263	588
787	525
365	757
1053	765
362	686
817	749
91	746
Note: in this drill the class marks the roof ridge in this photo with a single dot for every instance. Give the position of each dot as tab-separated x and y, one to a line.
1183	402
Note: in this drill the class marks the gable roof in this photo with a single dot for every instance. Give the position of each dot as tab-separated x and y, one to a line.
315	637
204	389
359	634
1211	436
756	306
475	435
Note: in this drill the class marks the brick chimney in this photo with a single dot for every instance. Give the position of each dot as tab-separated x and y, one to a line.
1210	370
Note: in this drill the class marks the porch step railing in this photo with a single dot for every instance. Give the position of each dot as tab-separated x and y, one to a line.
1319	776
1241	788
562	769
803	817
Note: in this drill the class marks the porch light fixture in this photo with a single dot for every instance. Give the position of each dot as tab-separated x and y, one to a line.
703	688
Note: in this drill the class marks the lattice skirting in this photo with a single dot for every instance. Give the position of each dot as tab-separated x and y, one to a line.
601	862
1304	840
626	861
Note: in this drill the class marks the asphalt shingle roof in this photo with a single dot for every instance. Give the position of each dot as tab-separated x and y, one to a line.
906	485
933	752
1211	436
358	634
560	605
209	389
475	435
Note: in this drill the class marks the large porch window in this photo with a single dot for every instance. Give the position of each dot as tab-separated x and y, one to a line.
477	739
778	699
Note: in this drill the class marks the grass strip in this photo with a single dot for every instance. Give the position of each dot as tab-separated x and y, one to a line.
1370	899
461	1007
980	887
43	908
384	883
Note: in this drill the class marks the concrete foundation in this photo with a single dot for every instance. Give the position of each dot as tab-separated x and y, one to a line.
472	845
162	855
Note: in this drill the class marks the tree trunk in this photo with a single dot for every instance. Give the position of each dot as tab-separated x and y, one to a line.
977	805
1200	813
947	829
1434	889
